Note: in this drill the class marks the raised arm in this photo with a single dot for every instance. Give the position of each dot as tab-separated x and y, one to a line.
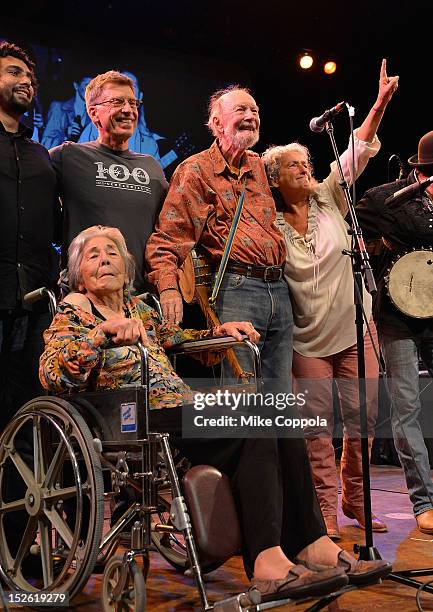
387	87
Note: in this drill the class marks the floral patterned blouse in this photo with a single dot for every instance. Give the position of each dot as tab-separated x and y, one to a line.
78	356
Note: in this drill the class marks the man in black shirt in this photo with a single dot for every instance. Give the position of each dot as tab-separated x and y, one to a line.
29	209
403	310
103	182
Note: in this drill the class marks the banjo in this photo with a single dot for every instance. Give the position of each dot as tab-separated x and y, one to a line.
195	278
409	283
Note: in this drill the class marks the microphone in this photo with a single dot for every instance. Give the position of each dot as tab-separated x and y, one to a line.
317	124
409	193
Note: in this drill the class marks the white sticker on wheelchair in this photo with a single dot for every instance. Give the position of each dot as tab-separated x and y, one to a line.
128	417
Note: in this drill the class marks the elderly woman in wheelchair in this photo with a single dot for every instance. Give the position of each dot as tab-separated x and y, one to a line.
92	345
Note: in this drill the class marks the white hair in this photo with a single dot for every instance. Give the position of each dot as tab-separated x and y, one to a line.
76	250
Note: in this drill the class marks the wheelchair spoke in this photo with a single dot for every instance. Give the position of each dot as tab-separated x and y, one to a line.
56	463
60	526
23	469
56	494
46	552
26	541
38	455
18	504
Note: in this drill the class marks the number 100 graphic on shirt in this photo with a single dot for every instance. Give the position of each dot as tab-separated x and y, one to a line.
119	176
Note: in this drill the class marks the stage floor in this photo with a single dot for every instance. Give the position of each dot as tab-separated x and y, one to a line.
404	545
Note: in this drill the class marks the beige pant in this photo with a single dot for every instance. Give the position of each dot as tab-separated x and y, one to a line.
317	374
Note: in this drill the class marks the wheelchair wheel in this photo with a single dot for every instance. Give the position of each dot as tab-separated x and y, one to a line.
170	545
123	586
51	499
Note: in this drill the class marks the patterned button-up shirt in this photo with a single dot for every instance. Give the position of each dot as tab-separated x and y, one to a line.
79	356
199	209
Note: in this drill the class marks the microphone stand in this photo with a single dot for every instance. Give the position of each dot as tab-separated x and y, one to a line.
361	271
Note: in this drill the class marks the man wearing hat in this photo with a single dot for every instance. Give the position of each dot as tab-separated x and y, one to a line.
405	326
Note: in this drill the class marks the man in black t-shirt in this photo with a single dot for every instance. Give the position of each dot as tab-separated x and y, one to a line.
29	218
403	310
103	182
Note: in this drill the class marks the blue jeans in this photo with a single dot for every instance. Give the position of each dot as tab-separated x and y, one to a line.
267	306
401	358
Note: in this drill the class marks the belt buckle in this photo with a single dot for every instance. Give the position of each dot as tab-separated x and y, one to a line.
272	269
265	273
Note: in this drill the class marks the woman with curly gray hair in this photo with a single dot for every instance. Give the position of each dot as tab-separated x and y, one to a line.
311	219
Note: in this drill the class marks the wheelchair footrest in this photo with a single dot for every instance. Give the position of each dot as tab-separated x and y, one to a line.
237	603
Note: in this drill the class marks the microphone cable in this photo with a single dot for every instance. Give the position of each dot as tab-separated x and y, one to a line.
402	171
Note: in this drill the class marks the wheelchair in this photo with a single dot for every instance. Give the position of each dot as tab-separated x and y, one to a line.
61	452
58	451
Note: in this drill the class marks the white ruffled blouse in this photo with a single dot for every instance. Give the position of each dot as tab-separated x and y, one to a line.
318	274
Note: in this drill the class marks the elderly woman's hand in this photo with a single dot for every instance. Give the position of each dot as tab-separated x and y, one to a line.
236	329
387	86
124	332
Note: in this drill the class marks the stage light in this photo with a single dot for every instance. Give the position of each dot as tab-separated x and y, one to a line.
330	67
306	60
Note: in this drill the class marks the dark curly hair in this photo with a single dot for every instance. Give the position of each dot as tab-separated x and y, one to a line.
9	49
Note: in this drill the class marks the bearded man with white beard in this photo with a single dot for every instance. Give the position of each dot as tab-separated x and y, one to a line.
199	211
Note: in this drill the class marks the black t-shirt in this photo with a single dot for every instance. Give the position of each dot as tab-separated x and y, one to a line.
30	217
100	186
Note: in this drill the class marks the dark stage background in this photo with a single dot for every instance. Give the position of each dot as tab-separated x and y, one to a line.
181	51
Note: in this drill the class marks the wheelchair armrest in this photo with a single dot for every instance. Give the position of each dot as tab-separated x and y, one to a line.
219	343
214	343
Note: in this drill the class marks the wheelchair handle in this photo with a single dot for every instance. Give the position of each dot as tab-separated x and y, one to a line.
40	294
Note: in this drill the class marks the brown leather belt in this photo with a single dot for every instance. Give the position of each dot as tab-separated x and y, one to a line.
266	273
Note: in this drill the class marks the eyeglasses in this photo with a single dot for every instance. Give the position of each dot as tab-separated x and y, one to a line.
120	102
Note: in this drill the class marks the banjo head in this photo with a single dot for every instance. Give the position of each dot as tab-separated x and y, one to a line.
410	284
194	273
